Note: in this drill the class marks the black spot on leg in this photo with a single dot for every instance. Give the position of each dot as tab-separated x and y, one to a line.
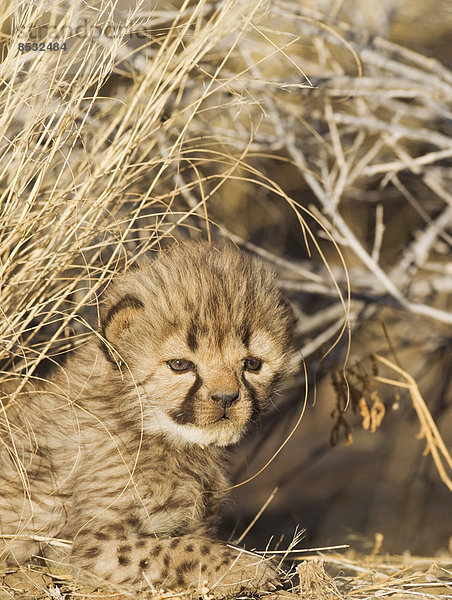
123	560
166	560
189	548
186	566
124	548
100	535
174	543
205	549
140	543
143	563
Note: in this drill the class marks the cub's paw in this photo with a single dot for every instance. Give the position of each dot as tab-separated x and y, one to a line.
243	570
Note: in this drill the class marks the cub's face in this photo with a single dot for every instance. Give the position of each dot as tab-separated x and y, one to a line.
209	393
204	338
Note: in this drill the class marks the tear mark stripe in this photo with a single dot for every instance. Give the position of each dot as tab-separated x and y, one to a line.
253	395
186	412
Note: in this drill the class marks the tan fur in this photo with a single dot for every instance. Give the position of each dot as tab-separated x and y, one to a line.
123	454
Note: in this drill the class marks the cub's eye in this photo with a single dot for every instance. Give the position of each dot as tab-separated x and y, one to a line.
180	364
252	364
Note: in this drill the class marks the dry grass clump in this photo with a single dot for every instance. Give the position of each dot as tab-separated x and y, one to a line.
361	577
291	127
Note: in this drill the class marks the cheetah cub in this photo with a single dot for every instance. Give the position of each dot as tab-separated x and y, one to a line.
122	449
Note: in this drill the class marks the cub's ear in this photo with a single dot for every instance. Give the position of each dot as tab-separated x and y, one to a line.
120	316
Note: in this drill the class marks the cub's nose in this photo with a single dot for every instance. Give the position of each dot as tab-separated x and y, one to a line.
225	398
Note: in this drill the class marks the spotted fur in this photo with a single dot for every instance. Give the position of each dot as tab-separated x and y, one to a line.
122	449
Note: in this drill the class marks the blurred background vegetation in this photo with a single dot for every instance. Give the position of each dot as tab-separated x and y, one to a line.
316	134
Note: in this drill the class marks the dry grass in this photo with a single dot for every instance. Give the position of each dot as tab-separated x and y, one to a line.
108	149
324	576
296	129
357	387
